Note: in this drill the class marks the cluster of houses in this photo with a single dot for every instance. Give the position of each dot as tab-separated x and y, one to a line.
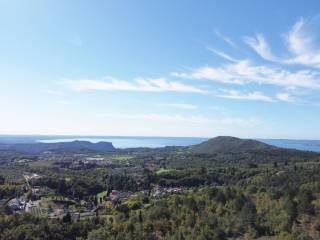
117	196
16	205
20	205
28	177
33	204
164	191
78	164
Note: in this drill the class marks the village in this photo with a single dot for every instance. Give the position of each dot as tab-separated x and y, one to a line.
43	202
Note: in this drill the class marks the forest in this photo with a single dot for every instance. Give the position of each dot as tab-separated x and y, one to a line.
173	193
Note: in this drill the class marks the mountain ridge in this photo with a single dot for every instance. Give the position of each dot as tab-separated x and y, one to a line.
74	146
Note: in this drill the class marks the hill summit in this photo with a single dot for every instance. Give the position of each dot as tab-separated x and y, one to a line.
223	144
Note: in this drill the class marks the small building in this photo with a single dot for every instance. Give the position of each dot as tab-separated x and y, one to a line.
117	196
15	204
32	205
160	191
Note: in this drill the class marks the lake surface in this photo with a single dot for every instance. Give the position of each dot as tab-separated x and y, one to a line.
152	142
308	145
133	142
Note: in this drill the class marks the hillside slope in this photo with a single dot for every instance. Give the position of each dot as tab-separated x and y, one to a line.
74	146
224	144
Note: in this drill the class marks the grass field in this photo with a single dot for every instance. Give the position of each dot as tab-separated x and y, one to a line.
162	170
36	212
41	164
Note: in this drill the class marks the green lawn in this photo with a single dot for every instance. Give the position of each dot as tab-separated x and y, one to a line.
122	157
101	194
163	170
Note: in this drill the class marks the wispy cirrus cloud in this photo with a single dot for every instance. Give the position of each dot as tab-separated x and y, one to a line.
284	81
260	45
218	74
138	85
225	38
242	71
235	94
299	41
302	45
223	54
247	72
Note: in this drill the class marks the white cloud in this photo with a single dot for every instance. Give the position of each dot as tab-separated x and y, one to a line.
260	45
256	96
210	73
284	96
301	43
301	49
138	85
246	72
298	41
222	54
180	106
225	38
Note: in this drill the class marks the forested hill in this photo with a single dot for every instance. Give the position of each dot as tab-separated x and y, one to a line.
74	146
223	144
226	149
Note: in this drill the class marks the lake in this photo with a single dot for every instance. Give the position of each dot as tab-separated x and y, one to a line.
152	142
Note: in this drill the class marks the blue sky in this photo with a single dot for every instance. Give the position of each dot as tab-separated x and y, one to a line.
160	68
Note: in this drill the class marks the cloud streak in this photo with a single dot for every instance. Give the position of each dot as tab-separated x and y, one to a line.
225	38
299	41
286	97
260	45
256	96
245	72
222	54
138	85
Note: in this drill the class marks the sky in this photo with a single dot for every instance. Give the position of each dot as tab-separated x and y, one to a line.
160	68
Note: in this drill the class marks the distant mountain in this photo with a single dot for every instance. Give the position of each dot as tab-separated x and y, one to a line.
224	144
226	149
74	146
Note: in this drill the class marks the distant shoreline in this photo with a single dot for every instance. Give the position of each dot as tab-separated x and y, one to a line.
152	142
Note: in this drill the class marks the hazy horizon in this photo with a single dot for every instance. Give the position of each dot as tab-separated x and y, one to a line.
57	136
